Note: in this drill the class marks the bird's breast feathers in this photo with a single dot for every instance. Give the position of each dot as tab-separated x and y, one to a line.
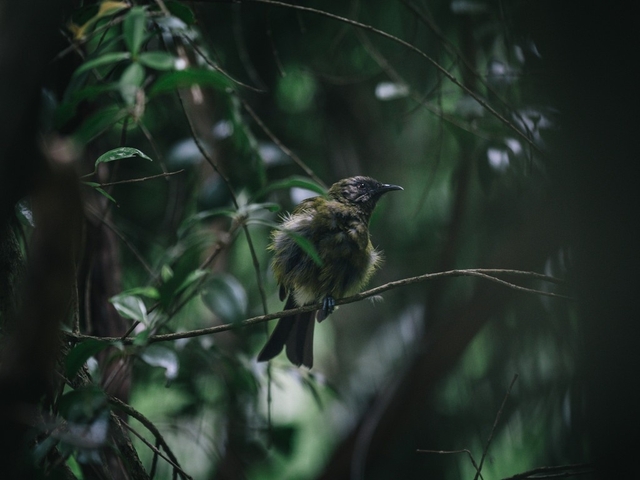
341	238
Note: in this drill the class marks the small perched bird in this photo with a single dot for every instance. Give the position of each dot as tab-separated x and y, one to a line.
337	226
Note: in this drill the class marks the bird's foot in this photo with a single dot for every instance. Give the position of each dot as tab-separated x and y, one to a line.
328	306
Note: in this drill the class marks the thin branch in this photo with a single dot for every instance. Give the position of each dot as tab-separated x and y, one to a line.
132	412
476	272
453	50
205	154
155	450
386	66
124	240
141	179
342	301
280	145
493	429
217	67
145	131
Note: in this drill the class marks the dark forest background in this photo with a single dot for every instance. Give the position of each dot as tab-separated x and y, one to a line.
149	148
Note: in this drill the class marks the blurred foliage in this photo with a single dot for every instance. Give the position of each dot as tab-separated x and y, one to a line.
216	95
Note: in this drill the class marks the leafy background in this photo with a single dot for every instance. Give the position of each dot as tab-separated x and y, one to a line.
166	140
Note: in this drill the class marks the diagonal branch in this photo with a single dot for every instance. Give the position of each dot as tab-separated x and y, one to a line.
132	412
280	145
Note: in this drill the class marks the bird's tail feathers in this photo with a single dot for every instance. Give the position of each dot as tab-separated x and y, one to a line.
277	340
296	333
300	341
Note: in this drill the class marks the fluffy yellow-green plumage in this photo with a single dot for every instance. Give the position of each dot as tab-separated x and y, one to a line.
338	228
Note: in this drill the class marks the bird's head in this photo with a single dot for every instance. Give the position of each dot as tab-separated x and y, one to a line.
363	192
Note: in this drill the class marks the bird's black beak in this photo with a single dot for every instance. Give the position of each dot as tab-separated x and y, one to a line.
384	188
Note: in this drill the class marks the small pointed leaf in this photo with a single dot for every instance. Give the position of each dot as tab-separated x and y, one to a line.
119	154
157	60
159	356
106	59
80	353
133	29
131	307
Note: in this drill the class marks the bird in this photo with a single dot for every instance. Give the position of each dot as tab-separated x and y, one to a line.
322	251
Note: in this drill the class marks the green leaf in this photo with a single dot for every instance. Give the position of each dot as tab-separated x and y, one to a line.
24	213
166	273
131	306
106	59
133	29
181	11
159	356
100	190
254	207
225	296
191	279
106	195
120	154
86	17
157	60
42	449
305	245
80	353
170	81
149	292
130	82
142	338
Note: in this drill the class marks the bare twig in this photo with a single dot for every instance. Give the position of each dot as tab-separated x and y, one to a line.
141	179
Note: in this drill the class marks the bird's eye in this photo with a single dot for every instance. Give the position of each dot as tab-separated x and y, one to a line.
362	186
